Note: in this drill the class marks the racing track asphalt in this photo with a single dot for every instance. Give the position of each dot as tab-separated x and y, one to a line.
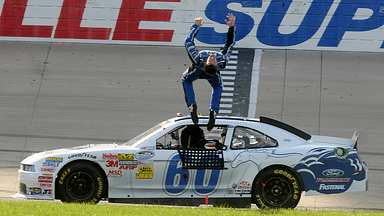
56	95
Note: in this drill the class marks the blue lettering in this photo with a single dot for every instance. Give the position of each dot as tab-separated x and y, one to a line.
217	11
174	180
343	21
208	188
176	184
268	31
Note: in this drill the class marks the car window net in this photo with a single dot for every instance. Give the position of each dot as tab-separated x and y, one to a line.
201	159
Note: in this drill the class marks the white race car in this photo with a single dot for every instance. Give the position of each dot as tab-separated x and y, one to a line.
240	161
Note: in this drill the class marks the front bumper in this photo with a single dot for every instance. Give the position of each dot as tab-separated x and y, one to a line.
34	185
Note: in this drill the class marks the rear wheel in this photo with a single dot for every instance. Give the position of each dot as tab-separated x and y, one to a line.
276	188
81	182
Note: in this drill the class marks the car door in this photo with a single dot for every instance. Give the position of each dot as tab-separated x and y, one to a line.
171	179
248	149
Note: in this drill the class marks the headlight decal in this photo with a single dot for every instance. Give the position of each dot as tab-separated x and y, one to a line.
28	168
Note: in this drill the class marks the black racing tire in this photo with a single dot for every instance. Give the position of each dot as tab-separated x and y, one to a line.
81	182
276	187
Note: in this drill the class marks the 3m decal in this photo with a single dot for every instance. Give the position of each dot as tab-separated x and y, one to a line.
112	163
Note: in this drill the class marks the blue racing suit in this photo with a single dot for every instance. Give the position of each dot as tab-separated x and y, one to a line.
196	71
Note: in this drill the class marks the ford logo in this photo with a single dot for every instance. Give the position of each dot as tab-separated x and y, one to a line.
333	173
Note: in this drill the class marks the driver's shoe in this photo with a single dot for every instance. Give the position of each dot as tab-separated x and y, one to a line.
193	110
211	122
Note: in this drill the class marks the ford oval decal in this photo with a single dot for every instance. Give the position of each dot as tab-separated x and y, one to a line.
333	173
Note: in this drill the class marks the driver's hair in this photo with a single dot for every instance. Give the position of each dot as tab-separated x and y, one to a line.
210	70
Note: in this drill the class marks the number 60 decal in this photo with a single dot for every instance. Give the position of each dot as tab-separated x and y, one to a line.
178	180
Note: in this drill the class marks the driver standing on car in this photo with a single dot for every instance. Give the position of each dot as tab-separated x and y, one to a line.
206	64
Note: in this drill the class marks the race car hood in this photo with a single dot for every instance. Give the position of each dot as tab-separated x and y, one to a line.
57	152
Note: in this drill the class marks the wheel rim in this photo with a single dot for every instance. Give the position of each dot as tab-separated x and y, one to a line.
277	191
80	186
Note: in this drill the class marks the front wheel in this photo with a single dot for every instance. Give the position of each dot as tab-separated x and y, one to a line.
81	182
276	188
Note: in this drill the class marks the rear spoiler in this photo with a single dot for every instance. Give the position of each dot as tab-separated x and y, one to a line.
336	140
355	137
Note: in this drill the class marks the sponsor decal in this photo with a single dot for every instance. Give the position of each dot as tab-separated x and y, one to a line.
341	153
125	157
45	185
145	163
115	173
38	191
333	173
52	162
144	155
48	179
316	178
244	187
121	164
148	148
331	187
112	163
132	162
82	155
332	179
127	167
44	169
110	156
268	23
144	172
54	159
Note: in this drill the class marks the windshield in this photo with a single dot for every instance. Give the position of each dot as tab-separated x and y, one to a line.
148	133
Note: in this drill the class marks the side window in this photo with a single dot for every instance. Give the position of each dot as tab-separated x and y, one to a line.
170	140
192	136
246	138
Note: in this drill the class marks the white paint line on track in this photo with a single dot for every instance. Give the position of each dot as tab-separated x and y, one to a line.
231	67
228	83
228	77
227	94
228	88
225	105
254	83
225	111
226	100
228	72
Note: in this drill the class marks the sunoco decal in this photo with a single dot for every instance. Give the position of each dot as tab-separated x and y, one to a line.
144	155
